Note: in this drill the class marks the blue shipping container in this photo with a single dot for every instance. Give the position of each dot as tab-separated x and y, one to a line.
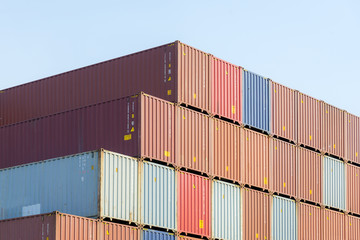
284	223
156	235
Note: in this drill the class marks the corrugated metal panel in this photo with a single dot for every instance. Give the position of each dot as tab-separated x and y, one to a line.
332	130
333	225
156	235
352	189
334	194
353	227
114	231
186	238
158	199
256	101
192	140
283	167
255	169
225	150
255	214
226	97
309	222
194	204
283	111
308	121
352	137
309	175
226	212
284	219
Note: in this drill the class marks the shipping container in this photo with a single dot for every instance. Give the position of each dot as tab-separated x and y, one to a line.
284	219
175	72
226	95
255	211
334	193
309	175
283	111
226	210
156	235
60	226
352	137
186	238
308	121
225	150
282	167
158	195
139	126
194	204
99	184
255	159
353	189
309	222
192	140
333	225
352	227
256	101
332	130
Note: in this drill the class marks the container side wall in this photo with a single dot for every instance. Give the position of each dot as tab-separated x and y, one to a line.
156	235
333	225
353	227
284	219
353	189
352	124
309	222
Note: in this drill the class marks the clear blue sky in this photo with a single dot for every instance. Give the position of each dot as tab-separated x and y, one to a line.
311	46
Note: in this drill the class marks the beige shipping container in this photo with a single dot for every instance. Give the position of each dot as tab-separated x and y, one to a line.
352	227
352	137
333	225
353	188
309	222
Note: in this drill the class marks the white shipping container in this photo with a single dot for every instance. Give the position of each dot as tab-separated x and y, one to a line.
284	219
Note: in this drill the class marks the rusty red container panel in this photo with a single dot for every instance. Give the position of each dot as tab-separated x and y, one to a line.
352	137
225	150
226	89
332	130
352	227
309	222
194	204
139	126
353	188
308	121
309	178
283	111
282	167
59	226
174	72
255	155
192	140
333	225
255	214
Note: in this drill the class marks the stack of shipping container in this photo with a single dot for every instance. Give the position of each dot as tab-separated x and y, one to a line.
174	143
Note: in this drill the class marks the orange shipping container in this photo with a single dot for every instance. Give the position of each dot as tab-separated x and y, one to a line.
353	188
333	225
352	137
282	167
225	149
283	111
352	227
309	219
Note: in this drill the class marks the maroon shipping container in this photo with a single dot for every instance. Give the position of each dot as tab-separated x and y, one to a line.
174	72
282	167
226	97
283	111
59	226
225	150
352	227
309	222
332	130
139	126
193	204
353	188
333	225
352	137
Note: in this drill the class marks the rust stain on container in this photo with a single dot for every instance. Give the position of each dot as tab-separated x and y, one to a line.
353	188
255	155
333	225
352	227
282	167
283	111
309	222
309	180
225	150
352	137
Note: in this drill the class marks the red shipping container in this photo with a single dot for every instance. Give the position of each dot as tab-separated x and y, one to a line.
282	167
353	188
194	204
352	227
309	175
333	225
283	111
255	155
225	150
192	140
309	219
308	121
59	226
255	214
352	137
174	72
226	96
139	126
332	130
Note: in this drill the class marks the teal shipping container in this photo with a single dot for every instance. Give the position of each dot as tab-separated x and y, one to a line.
284	219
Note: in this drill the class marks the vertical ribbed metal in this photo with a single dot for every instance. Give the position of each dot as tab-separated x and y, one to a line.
158	199
284	219
226	212
156	235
